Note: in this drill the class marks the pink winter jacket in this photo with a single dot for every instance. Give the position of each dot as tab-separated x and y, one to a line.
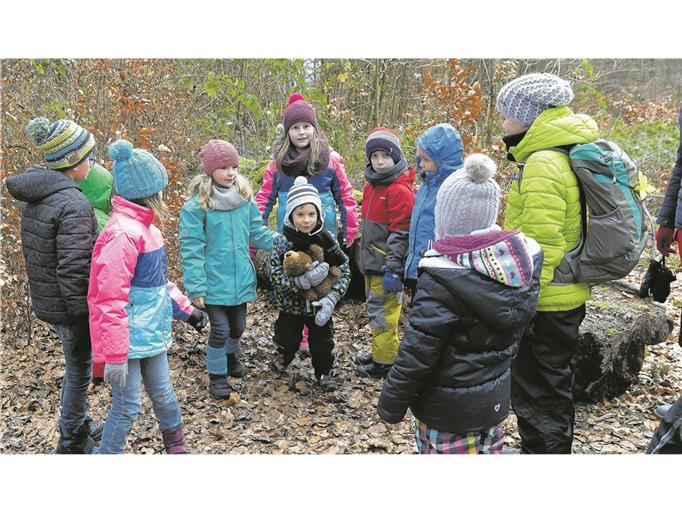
336	163
130	298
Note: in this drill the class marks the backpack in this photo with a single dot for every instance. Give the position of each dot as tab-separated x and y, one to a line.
614	226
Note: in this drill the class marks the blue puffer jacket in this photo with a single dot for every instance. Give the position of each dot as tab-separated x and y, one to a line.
670	214
444	145
214	248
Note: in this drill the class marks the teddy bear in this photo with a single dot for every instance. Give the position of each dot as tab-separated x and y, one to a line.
297	263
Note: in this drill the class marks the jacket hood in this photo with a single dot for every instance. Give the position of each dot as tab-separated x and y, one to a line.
557	126
445	147
97	187
35	184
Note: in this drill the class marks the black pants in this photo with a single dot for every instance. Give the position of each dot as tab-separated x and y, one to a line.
542	382
288	331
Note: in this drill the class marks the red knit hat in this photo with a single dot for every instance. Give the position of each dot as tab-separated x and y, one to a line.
218	154
298	110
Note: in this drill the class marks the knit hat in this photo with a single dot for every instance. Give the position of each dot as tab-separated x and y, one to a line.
137	173
386	140
298	110
218	154
523	98
64	143
469	199
302	192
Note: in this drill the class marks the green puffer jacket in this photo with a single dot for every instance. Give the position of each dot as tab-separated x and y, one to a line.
544	198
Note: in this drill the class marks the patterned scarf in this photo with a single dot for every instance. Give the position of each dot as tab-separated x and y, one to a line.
500	255
295	162
226	198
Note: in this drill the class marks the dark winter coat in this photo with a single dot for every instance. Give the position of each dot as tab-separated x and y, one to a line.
670	214
58	232
453	368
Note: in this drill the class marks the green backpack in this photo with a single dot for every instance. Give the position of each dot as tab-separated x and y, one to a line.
614	219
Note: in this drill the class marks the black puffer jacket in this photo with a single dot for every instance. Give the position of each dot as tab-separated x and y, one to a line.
670	214
453	365
58	232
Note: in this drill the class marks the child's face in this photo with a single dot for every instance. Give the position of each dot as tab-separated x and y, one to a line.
81	171
427	165
301	134
304	217
511	127
225	177
381	161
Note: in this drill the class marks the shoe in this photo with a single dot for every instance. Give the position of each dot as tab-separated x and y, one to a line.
660	410
79	442
304	352
235	368
364	358
373	369
219	387
174	442
327	382
95	428
508	450
280	363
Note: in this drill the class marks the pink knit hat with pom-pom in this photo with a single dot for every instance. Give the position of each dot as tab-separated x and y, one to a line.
298	110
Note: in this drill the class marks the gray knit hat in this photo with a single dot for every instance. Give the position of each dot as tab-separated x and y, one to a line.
469	199
523	98
302	192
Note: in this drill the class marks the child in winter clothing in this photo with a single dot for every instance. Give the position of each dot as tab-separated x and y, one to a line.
544	203
439	153
304	226
132	302
58	231
387	205
476	293
305	152
217	224
97	188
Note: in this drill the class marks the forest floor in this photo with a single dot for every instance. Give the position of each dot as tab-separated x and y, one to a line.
290	414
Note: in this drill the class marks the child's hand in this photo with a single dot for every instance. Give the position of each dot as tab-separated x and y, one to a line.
116	373
326	305
198	303
198	319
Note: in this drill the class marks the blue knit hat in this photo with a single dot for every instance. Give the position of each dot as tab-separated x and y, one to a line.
64	143
137	173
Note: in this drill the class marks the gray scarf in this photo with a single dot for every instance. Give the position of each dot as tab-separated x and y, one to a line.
387	176
226	199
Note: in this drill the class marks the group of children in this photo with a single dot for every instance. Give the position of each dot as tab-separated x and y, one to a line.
474	287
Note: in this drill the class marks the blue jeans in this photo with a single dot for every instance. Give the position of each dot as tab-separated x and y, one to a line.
75	340
126	402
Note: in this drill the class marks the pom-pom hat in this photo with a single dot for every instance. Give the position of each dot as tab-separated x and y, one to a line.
137	173
64	143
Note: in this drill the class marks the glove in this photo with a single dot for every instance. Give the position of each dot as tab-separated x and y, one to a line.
198	319
391	281
312	277
326	305
116	373
664	239
97	373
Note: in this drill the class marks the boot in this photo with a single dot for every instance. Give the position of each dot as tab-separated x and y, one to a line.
364	358
327	382
662	409
235	368
373	369
280	364
79	442
95	429
174	441
219	387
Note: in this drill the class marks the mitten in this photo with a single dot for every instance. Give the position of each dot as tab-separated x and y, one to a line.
391	281
97	373
326	307
198	319
312	277
664	238
116	373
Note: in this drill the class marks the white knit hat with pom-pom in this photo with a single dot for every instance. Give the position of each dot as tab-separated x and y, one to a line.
302	192
469	199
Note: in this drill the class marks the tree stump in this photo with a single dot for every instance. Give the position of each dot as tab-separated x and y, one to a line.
611	345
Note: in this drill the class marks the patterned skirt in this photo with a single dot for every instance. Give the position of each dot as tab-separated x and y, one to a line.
432	441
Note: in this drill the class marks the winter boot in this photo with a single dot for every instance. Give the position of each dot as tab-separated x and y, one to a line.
327	382
95	428
79	442
373	369
364	358
280	363
174	441
662	409
235	368
219	387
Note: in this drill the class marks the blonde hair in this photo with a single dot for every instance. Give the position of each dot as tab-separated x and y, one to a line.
156	204
314	152
202	184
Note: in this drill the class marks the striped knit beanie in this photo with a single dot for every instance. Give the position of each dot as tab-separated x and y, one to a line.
525	97
218	154
302	192
298	110
137	173
386	140
468	200
64	143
